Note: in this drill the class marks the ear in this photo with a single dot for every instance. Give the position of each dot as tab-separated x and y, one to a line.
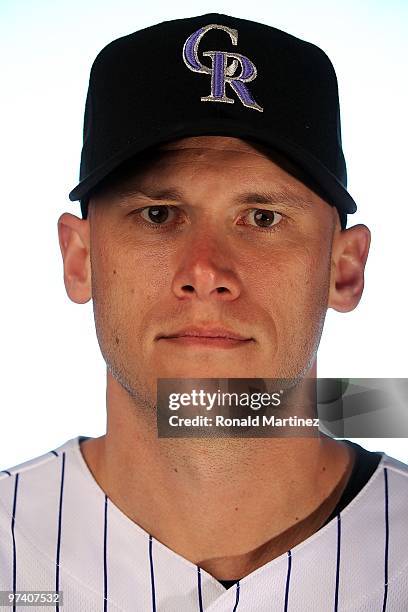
349	256
74	242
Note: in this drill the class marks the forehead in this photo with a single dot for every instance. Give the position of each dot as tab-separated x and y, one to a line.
215	143
242	160
223	152
220	152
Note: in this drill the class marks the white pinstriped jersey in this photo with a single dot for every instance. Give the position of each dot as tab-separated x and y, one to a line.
59	531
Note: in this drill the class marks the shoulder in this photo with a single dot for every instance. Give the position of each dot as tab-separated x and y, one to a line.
36	474
388	485
395	469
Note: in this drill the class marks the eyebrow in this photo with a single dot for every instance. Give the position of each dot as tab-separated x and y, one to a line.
283	195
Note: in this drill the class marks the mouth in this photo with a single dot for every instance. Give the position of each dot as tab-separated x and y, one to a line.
202	336
206	341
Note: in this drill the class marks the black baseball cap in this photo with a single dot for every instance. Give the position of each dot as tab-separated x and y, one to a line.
214	74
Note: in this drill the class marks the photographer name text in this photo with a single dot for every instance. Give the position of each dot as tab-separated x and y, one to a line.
249	421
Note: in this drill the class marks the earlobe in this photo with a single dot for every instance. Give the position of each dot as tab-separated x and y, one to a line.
349	256
73	234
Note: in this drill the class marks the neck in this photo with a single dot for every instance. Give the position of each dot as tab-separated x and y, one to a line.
197	495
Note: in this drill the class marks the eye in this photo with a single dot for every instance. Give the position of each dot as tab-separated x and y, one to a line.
155	214
265	218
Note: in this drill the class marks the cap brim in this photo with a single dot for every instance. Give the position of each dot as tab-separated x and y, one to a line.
337	194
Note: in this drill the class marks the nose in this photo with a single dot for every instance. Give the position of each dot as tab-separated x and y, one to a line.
206	273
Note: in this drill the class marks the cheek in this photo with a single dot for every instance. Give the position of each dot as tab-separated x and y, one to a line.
295	290
127	286
292	268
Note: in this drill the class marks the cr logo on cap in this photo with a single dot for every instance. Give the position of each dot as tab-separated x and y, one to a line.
222	73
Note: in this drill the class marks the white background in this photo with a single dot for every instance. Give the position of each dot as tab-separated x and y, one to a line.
53	375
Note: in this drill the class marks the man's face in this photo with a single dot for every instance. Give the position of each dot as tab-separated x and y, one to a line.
232	246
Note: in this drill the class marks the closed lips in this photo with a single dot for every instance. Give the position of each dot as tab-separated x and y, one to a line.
206	333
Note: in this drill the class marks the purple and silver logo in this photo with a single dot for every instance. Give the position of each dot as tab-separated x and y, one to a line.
221	72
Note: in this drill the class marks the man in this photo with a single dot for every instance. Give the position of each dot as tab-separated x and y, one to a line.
212	242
